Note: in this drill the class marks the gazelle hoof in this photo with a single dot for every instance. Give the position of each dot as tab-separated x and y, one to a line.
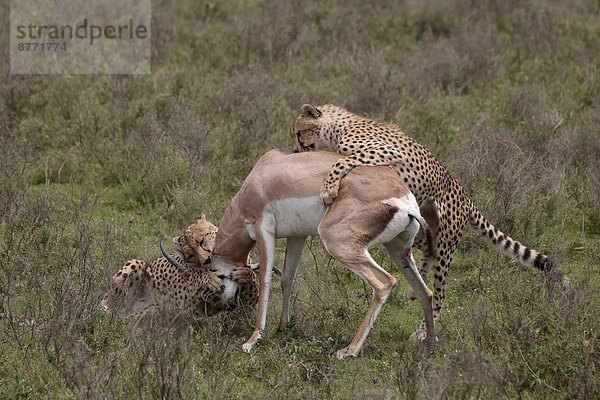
343	353
247	347
251	342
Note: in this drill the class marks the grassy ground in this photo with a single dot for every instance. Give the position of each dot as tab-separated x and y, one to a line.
97	168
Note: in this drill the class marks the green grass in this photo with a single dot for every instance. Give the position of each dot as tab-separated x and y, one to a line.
97	168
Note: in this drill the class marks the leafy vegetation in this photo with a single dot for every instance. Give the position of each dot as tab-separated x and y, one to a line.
97	168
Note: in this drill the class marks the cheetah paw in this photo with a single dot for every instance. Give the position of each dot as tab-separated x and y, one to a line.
328	194
214	281
418	336
243	276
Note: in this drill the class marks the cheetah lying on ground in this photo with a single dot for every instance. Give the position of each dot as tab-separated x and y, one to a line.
181	282
444	203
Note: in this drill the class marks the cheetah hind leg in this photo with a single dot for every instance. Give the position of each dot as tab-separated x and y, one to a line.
441	264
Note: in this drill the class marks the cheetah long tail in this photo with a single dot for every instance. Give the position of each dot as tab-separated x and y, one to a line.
515	250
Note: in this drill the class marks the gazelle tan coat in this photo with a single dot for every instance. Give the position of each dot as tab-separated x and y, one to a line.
280	199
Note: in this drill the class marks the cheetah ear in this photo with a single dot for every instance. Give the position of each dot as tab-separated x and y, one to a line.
178	240
310	111
201	217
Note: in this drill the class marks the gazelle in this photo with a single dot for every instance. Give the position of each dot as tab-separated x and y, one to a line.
280	199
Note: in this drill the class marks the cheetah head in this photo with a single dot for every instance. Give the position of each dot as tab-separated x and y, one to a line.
198	241
306	130
129	288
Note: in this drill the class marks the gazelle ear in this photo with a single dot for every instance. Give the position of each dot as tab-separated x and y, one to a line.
310	111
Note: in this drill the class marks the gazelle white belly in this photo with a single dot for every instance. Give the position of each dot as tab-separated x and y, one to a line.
295	216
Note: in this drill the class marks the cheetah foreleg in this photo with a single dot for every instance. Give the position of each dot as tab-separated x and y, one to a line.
375	154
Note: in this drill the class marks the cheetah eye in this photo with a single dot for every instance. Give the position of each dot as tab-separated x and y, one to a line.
200	242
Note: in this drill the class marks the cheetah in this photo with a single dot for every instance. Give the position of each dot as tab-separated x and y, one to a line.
197	241
181	282
444	203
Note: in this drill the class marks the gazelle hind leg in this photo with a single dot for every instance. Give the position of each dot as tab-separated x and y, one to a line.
265	241
429	211
424	264
357	259
402	256
382	284
293	252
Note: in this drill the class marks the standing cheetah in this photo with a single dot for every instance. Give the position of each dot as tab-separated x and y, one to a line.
444	203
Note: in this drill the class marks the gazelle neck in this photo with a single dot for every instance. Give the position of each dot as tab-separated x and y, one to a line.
233	243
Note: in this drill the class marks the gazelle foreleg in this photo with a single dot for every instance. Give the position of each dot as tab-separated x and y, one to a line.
265	242
293	252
